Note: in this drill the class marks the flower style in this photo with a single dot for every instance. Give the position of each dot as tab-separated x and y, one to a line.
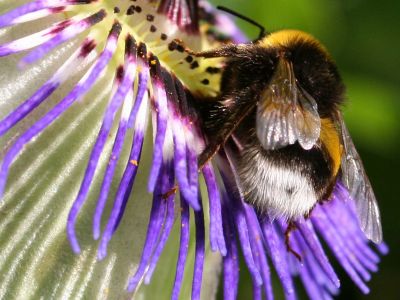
140	47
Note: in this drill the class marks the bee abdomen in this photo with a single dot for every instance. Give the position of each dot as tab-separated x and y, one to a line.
286	182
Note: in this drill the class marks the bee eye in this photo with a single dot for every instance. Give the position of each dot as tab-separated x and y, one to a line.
288	54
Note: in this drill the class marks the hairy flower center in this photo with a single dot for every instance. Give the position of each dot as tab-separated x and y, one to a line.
162	37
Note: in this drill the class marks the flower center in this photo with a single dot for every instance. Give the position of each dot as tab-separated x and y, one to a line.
162	37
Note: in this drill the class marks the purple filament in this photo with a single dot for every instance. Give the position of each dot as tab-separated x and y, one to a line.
199	253
243	235
352	241
352	258
127	83
142	84
241	227
167	227
131	169
161	111
25	108
351	231
231	259
124	190
331	238
278	254
31	41
64	35
10	17
317	284
81	88
183	249
316	248
217	241
128	178
108	176
154	229
256	241
107	122
257	292
47	89
181	163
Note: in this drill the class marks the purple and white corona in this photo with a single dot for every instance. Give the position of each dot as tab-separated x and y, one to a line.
259	121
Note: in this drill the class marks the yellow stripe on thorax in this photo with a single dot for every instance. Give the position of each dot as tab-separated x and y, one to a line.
329	138
285	38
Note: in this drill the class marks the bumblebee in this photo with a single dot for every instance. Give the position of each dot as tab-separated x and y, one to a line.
280	107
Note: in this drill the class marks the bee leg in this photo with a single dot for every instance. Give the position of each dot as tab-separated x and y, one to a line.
291	227
208	153
219	136
225	51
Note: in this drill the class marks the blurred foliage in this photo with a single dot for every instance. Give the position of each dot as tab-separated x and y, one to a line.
363	38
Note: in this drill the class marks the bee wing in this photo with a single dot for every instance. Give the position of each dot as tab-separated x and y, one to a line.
286	113
309	122
359	186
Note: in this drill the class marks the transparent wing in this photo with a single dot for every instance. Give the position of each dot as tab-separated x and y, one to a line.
309	122
286	113
359	186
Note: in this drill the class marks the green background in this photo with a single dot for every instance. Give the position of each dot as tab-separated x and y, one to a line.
364	38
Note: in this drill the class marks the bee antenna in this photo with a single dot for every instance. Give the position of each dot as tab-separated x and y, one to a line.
247	19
